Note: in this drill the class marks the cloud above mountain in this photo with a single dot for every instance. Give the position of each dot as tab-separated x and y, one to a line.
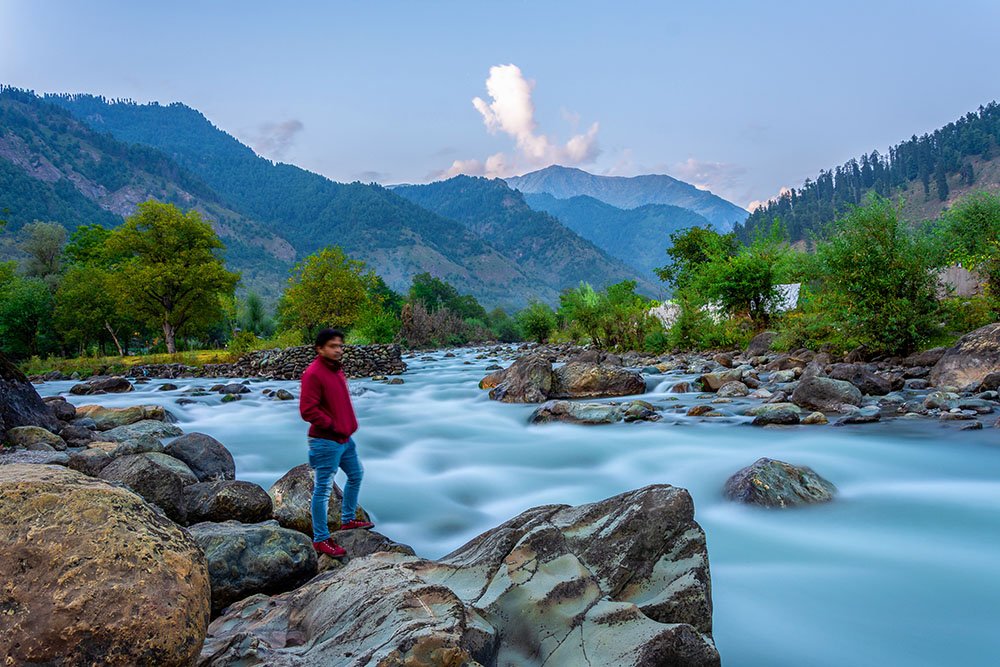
272	140
511	111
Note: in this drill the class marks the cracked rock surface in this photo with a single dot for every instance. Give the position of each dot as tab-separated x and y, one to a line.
623	581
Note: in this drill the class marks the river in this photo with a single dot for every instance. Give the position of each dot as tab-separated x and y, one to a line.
903	568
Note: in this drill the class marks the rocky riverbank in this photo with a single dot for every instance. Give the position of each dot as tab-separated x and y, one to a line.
131	535
958	385
277	364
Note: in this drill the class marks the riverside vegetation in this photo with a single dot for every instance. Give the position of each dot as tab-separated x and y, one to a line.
157	285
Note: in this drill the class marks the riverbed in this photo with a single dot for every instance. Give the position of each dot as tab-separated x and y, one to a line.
901	569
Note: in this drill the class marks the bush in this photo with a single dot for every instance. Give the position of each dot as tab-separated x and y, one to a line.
242	342
537	321
375	326
877	279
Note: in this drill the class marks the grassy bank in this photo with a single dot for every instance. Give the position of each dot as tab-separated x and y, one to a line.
87	366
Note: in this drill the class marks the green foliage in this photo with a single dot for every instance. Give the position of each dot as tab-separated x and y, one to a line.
242	342
25	316
87	310
253	316
969	234
43	243
375	325
877	279
690	250
326	289
537	321
167	272
504	327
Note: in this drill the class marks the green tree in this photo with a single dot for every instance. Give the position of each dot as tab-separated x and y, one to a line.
432	292
581	308
692	248
878	279
167	270
969	234
327	288
87	310
43	243
253	316
538	321
25	315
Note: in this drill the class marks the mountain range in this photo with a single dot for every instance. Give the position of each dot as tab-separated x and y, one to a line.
631	192
80	159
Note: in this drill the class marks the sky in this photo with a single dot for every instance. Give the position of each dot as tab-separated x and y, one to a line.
741	98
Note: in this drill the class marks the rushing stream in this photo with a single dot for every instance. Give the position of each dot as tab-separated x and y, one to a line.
902	569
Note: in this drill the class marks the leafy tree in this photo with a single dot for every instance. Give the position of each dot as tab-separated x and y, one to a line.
88	245
43	242
538	321
432	292
878	279
167	270
254	318
581	308
87	311
504	327
969	234
327	288
690	249
25	315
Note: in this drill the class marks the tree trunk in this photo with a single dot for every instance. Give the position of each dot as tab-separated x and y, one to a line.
121	352
168	335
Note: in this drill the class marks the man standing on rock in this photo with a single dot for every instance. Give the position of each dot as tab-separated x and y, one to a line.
325	403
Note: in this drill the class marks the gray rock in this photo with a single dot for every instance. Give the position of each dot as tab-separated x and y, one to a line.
971	360
244	559
291	497
35	438
587	380
47	457
825	394
576	413
866	415
145	428
761	344
207	457
61	408
76	436
20	404
138	445
621	582
158	478
861	377
783	416
284	395
226	500
527	380
234	388
102	385
733	389
772	483
89	461
108	418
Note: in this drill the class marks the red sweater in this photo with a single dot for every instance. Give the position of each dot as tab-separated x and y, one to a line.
325	402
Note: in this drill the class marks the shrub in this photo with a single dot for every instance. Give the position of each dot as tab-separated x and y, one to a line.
538	321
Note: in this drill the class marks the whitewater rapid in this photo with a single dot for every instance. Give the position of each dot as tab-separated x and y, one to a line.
901	569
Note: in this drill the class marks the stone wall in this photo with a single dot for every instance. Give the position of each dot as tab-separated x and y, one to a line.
286	364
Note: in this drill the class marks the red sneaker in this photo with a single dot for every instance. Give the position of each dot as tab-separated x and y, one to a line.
330	548
357	523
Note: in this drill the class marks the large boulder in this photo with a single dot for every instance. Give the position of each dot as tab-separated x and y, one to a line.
109	418
102	385
976	355
226	500
716	380
825	394
20	404
527	380
244	559
158	478
621	582
207	457
35	438
61	408
291	498
587	380
92	575
140	429
772	483
862	377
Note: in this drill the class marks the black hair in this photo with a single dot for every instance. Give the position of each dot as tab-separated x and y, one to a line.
324	336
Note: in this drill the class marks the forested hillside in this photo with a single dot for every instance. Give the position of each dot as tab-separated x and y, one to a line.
55	168
928	172
637	236
395	236
549	252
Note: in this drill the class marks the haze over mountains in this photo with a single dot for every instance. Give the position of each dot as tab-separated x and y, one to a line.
631	192
80	159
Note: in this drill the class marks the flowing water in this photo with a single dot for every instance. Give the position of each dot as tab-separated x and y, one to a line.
903	568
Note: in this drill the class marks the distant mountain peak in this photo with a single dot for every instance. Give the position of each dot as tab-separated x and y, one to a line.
629	192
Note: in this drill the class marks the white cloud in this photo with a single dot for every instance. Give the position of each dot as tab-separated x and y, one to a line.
511	111
272	140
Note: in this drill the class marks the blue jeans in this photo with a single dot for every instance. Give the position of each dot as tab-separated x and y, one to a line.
325	456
